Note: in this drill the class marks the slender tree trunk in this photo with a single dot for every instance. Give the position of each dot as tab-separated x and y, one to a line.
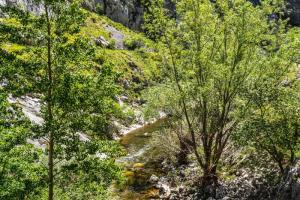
49	108
184	107
50	166
209	182
182	156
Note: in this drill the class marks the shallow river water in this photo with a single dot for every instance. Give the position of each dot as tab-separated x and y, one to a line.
138	166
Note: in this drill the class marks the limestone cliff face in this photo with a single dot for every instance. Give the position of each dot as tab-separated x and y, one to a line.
130	12
25	4
127	12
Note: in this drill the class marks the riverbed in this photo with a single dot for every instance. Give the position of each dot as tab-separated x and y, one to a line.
139	166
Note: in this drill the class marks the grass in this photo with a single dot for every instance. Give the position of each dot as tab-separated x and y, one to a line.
94	27
12	48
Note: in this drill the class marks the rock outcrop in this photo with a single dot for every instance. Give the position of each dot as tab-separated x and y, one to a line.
25	4
127	12
130	12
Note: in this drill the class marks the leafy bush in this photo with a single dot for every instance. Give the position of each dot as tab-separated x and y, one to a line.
134	42
112	44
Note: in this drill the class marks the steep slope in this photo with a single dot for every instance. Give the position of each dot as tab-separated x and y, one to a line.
130	54
130	12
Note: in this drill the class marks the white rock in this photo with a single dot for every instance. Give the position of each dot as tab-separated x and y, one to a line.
153	179
101	41
31	108
164	190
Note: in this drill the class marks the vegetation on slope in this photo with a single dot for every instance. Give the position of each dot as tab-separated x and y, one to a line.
55	58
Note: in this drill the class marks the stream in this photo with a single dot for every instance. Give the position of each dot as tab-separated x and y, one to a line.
138	165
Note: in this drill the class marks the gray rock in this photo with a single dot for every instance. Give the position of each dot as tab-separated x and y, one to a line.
153	179
130	12
117	35
226	198
29	5
127	12
289	188
31	107
164	190
101	41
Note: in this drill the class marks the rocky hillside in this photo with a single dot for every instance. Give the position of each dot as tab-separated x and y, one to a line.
129	52
130	12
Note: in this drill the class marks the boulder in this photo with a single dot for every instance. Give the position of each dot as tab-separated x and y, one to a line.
289	187
101	41
153	179
164	188
164	191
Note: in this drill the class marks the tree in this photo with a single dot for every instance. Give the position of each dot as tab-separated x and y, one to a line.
77	95
21	174
213	52
272	120
273	126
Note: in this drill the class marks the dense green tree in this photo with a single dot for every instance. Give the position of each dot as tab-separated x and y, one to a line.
21	172
77	96
213	53
271	124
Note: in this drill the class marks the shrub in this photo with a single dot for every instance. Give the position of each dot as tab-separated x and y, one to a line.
135	42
